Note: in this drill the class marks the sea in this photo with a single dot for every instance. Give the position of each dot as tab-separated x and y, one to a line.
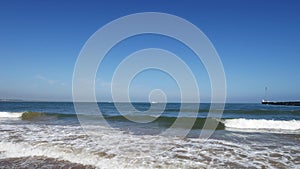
56	135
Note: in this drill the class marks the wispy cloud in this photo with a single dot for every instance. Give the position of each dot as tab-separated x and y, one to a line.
50	81
103	83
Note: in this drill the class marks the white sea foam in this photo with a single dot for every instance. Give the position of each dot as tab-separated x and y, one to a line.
112	148
65	153
10	115
262	124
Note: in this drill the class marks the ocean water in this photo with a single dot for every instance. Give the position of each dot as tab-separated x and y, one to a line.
49	135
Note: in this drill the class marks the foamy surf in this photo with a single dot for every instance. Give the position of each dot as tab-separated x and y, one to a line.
13	150
30	115
116	149
262	125
49	134
13	115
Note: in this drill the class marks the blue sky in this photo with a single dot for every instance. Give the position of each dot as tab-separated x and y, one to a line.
257	41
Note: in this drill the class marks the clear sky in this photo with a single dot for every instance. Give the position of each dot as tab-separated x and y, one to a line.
257	41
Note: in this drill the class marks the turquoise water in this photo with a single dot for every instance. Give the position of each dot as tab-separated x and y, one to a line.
247	136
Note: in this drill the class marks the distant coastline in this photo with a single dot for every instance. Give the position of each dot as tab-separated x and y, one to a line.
12	100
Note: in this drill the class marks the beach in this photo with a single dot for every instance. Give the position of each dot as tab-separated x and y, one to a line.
247	136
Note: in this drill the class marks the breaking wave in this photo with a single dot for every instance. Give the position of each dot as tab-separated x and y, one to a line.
262	124
163	121
10	115
30	115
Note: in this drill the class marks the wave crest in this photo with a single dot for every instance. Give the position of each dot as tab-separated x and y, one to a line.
262	124
10	115
31	115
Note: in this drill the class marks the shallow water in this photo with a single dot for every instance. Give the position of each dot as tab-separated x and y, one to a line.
248	139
